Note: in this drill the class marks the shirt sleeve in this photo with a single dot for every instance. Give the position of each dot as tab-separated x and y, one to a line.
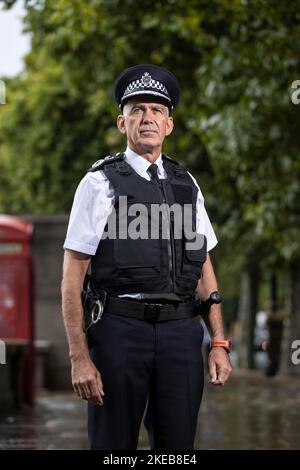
204	226
92	205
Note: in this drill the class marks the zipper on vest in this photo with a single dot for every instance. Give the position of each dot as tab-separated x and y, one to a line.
171	248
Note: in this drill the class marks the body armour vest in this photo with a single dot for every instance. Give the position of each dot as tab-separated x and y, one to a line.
145	247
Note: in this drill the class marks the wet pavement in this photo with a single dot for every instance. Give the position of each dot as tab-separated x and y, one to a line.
251	412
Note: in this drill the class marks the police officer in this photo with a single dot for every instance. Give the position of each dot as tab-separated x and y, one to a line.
143	357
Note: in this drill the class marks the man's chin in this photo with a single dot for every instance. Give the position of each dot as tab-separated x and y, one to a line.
148	145
149	139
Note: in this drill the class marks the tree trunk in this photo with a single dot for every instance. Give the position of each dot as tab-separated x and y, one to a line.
291	319
248	304
275	327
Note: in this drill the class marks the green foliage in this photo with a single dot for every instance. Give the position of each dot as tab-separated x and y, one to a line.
250	129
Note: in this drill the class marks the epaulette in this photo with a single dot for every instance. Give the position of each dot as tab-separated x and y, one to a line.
106	160
170	159
178	169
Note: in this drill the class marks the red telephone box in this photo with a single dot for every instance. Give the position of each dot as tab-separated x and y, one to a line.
16	294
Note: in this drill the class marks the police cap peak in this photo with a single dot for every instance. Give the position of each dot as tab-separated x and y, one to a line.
147	79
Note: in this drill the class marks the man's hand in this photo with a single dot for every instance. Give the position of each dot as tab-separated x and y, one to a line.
86	381
219	366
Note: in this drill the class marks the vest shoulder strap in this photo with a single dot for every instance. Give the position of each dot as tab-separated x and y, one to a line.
100	164
179	170
169	159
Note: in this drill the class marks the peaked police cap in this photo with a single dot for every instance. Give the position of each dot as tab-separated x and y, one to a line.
147	79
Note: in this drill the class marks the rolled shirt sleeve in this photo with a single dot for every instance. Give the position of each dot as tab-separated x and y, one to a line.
92	205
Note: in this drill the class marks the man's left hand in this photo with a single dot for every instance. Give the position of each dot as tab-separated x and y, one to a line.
219	366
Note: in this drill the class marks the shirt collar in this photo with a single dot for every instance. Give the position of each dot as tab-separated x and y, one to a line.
140	164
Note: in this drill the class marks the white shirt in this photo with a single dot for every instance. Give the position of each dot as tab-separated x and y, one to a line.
94	201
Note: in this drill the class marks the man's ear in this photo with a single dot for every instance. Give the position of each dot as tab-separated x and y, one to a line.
121	124
169	125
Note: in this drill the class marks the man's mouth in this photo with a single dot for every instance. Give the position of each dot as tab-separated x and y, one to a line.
148	131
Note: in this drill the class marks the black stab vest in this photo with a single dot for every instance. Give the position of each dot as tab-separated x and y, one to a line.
148	265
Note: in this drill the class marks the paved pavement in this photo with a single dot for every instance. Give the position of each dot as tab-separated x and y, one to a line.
251	412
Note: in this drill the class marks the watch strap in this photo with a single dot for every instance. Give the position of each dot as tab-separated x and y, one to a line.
219	343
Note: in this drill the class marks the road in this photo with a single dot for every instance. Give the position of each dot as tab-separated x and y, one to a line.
251	412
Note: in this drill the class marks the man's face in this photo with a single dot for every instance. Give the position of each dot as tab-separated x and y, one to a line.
146	122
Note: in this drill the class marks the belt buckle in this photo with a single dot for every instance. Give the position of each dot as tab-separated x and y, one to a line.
151	312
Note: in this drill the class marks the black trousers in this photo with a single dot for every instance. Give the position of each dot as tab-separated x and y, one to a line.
150	370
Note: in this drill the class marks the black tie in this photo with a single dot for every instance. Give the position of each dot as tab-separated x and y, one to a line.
153	172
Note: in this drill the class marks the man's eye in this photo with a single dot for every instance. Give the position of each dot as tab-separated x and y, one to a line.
158	110
136	110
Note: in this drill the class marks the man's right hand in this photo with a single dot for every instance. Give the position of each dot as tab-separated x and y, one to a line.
86	381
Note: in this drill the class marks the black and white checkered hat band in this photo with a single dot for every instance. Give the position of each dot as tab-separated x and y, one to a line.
152	87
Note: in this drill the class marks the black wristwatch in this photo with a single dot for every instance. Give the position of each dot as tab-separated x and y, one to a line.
214	298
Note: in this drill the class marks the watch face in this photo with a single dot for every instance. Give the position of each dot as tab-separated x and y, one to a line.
216	297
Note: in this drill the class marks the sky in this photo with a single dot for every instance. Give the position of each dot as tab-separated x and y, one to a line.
13	43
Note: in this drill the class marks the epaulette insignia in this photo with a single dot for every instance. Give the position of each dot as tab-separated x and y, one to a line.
178	170
108	159
98	162
170	159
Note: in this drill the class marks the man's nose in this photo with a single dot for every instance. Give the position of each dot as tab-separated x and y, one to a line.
147	116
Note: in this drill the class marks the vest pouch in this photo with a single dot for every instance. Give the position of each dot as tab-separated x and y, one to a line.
137	258
193	259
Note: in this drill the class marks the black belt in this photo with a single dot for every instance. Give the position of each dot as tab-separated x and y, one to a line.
150	312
